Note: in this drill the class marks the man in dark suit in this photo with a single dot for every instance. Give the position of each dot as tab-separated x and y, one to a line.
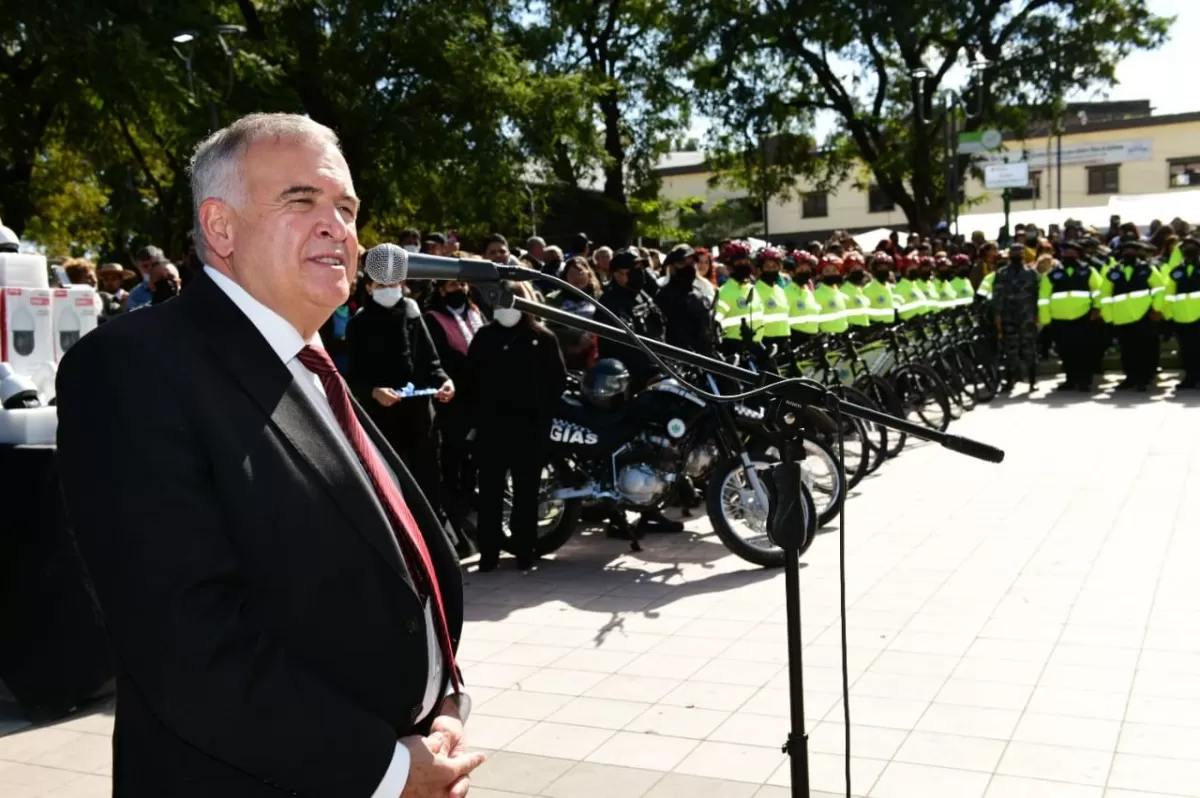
283	607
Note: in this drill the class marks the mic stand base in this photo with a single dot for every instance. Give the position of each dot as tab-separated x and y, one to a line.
791	539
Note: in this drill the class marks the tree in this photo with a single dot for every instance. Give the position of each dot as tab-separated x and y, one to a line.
881	67
629	100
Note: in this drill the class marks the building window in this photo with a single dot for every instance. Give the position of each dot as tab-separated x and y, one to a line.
1031	191
1104	179
878	200
815	204
1184	172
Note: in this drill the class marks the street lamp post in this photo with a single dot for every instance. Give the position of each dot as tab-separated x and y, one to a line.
184	47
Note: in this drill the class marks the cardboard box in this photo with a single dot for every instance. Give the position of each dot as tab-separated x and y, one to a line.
23	270
27	327
75	314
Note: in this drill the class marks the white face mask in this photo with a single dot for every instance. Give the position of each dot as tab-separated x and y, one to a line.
507	317
388	295
412	247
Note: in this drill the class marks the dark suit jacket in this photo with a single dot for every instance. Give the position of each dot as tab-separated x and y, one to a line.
266	633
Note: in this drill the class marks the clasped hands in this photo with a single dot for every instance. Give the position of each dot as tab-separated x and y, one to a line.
440	765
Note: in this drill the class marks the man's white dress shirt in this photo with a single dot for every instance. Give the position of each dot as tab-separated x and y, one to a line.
286	342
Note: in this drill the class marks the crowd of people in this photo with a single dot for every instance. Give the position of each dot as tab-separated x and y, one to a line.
466	393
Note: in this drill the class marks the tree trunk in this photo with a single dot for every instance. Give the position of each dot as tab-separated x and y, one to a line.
614	173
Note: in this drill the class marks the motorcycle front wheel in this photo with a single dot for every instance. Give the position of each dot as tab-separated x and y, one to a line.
739	521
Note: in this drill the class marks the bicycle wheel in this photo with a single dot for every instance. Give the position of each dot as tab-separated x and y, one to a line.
881	391
877	434
923	396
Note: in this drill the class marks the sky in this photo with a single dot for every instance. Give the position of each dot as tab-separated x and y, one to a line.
1162	76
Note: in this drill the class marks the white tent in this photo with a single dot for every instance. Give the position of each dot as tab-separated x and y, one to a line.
868	240
1141	209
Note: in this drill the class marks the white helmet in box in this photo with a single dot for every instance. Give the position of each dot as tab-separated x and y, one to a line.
8	240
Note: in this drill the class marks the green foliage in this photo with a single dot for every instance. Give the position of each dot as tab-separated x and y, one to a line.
773	65
732	218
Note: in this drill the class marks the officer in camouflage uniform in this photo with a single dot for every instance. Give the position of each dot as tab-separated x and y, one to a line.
1014	299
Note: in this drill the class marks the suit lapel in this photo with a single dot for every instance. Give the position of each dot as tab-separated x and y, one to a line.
258	371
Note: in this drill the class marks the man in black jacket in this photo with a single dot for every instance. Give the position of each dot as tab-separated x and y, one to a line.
626	297
284	609
689	319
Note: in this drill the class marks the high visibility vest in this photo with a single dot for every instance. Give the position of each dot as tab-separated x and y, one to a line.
1067	293
832	302
737	303
1127	293
883	308
985	287
1181	300
933	296
947	294
964	292
857	306
802	308
774	319
909	299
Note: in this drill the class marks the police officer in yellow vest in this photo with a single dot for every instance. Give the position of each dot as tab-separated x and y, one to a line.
910	297
858	307
960	281
833	316
803	309
1068	300
738	305
1131	300
1181	306
879	291
773	324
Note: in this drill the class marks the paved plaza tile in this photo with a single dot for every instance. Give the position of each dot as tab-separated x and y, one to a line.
1029	629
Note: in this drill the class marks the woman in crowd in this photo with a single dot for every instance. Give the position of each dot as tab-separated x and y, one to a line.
516	379
579	348
706	276
388	347
453	321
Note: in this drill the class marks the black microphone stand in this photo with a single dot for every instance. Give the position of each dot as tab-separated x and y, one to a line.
791	516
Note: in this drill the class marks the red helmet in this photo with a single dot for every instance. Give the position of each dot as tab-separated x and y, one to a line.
804	256
961	259
926	260
882	259
769	253
942	260
735	250
832	260
854	258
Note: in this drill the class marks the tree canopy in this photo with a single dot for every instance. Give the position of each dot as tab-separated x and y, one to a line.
451	114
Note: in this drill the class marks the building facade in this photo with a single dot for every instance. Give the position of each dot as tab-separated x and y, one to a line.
1107	149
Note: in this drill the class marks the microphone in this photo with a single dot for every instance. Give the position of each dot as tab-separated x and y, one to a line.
389	264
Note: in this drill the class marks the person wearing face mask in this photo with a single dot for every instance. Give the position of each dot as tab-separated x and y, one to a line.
388	347
773	324
453	321
878	291
626	297
1068	300
1131	300
908	296
858	306
833	317
1014	301
802	305
943	272
516	379
1181	306
689	323
738	305
960	280
164	282
933	297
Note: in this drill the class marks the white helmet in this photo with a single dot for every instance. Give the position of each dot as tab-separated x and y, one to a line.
8	240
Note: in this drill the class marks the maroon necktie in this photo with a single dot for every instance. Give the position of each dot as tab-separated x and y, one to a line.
404	526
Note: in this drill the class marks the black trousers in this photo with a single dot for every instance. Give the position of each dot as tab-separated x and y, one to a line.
503	450
458	469
1102	338
1075	342
408	427
1139	350
1188	336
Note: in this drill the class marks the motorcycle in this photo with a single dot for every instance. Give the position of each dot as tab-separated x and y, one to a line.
662	445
